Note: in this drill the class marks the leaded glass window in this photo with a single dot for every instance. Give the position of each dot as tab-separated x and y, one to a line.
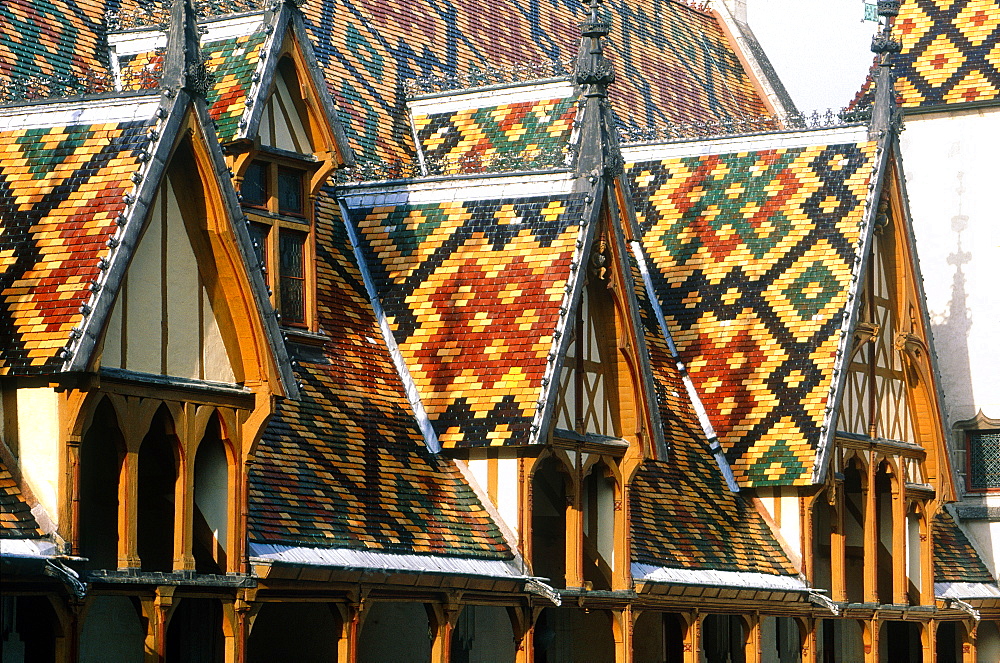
984	460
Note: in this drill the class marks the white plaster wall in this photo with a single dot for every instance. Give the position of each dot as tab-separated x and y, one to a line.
38	434
791	525
953	182
508	494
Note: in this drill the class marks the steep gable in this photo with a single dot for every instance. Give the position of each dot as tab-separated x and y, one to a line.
752	256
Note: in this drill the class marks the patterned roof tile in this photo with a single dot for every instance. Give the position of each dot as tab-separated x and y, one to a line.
61	189
467	140
955	560
345	466
472	291
679	64
16	519
233	62
753	255
951	52
683	514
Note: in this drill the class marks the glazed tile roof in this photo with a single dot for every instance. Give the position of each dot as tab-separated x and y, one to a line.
752	255
233	62
345	466
951	52
61	189
683	514
472	139
472	291
678	62
955	560
16	519
51	37
677	59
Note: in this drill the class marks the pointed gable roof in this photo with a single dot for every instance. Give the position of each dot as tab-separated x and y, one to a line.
81	178
16	519
67	176
474	282
753	245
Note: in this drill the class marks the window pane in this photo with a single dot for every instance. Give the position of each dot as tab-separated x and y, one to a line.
258	234
984	460
292	276
290	191
254	187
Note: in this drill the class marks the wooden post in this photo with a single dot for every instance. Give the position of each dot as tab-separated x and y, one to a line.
871	538
838	547
754	647
128	508
899	536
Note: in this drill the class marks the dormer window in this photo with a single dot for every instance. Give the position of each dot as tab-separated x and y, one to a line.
275	197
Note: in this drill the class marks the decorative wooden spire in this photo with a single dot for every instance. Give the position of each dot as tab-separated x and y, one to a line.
599	150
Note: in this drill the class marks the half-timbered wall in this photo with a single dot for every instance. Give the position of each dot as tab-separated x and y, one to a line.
163	320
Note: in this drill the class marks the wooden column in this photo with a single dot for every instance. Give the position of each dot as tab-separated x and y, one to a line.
624	621
754	646
692	642
442	622
872	641
809	637
574	526
838	547
871	537
128	510
899	536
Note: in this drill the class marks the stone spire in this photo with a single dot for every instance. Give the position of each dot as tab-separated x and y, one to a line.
886	115
183	67
599	150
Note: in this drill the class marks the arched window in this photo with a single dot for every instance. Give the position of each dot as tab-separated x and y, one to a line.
599	526
855	488
101	453
158	468
884	527
823	519
548	522
211	502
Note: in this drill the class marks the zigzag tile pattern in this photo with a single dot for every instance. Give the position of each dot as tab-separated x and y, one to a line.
951	51
233	62
52	38
472	291
677	59
753	255
955	560
471	140
683	514
345	466
61	189
16	519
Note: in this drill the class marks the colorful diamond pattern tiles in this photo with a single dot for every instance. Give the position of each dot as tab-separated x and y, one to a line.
16	519
61	189
232	62
535	133
682	513
955	560
753	255
680	66
951	51
345	465
473	291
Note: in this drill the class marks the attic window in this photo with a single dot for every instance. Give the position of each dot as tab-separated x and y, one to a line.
290	198
254	188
